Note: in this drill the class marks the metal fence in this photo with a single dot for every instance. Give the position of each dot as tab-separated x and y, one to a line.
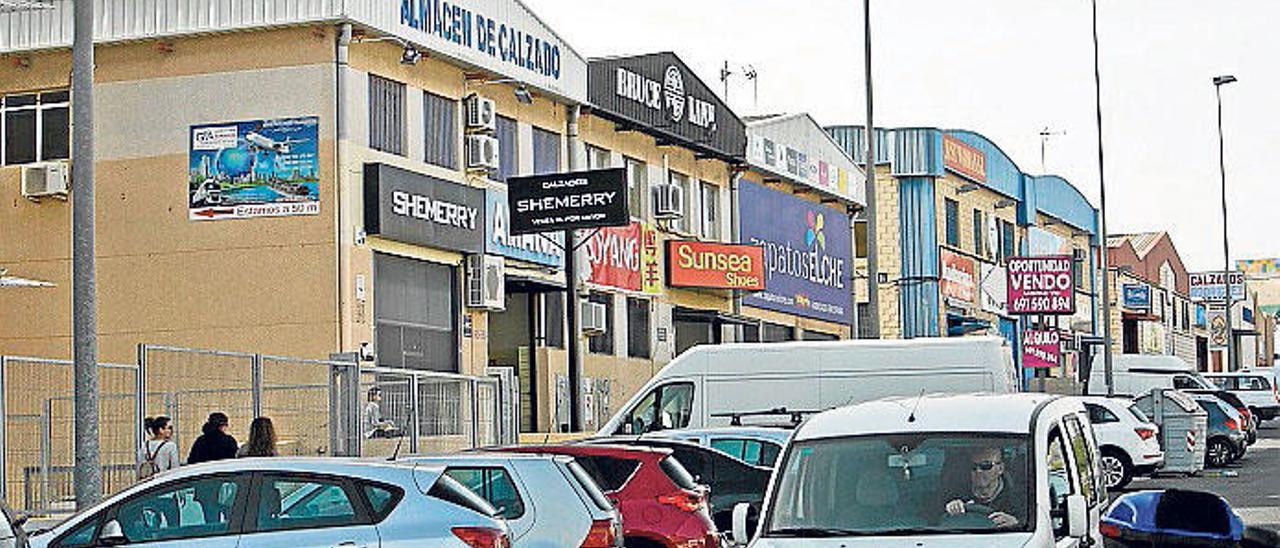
318	407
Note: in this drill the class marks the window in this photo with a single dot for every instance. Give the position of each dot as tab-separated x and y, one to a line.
860	239
452	492
598	158
81	536
602	343
381	499
637	328
494	485
36	127
810	335
710	211
589	485
414	314
196	508
297	503
637	184
978	234
953	222
386	115
1100	415
1255	384
753	452
440	114
546	152
1077	270
1083	453
609	473
1060	484
864	321
553	319
1007	241
508	150
772	332
733	446
665	407
682	182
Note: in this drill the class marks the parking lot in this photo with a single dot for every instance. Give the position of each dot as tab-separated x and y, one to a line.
1250	485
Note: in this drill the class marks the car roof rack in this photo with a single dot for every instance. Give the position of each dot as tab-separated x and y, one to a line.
796	415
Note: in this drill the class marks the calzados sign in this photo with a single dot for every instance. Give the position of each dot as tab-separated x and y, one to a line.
581	199
721	266
1041	285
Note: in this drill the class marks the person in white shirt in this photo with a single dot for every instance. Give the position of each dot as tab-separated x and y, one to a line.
160	449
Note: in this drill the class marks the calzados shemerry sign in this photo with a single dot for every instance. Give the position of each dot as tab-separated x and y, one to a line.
562	201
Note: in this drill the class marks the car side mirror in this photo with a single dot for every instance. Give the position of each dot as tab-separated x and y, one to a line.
112	535
1077	516
20	520
740	533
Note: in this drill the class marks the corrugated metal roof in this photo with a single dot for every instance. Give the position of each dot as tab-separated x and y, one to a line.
1143	242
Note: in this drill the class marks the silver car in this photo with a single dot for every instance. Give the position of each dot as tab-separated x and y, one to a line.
757	445
548	500
288	502
11	533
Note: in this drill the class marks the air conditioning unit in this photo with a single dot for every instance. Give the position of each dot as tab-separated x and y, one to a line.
668	202
482	153
47	179
482	113
486	284
594	318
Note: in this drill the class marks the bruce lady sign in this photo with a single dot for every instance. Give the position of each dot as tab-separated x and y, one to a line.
565	201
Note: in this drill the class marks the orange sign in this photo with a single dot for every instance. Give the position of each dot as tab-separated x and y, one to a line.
964	159
720	266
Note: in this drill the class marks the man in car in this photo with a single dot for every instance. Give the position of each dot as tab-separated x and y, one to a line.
991	491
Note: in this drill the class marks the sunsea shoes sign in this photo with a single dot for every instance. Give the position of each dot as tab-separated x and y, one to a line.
419	209
1041	285
1041	348
719	266
807	253
581	199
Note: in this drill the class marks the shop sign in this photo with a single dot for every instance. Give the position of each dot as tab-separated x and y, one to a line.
501	36
255	168
964	159
717	266
1209	286
1217	320
994	289
797	148
658	92
544	249
1041	348
958	277
420	209
1137	297
807	253
621	257
1259	268
564	201
1041	285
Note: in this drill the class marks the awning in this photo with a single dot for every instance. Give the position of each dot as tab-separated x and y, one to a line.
960	324
682	314
525	280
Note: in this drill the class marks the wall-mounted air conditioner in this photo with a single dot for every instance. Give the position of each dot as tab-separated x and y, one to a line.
482	114
668	202
594	318
482	153
49	179
486	283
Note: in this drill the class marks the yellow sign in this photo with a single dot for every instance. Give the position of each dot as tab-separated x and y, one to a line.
650	260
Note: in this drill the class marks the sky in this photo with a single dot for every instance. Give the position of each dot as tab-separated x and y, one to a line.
1008	69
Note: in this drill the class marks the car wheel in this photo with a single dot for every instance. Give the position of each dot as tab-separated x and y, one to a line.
1116	469
1218	454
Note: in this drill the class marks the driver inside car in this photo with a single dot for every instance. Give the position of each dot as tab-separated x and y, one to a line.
991	492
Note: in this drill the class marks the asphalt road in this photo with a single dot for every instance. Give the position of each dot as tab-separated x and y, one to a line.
1251	485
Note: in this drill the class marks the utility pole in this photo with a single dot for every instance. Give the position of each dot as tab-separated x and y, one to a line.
84	300
1229	365
1102	223
571	287
873	262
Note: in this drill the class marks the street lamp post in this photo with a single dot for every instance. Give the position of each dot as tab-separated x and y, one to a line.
1228	365
869	167
1102	223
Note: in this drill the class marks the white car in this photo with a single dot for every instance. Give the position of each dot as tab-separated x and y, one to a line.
998	471
1128	441
1256	388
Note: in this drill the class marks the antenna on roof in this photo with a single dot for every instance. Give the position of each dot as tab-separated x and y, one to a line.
912	416
396	454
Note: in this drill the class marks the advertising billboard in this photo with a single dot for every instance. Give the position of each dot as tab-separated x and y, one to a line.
1137	297
255	168
1041	348
994	288
959	278
1041	285
1210	286
563	201
807	253
717	266
624	257
410	207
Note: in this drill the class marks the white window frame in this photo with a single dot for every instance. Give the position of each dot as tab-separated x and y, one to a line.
39	109
710	224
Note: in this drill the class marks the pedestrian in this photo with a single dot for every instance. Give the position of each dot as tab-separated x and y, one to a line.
158	453
373	425
214	443
262	439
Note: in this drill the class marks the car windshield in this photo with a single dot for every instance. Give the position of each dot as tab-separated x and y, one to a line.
902	484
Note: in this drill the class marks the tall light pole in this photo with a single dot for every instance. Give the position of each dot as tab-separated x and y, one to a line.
1218	82
1102	222
869	163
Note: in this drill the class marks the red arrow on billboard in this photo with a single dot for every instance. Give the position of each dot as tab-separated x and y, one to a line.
212	212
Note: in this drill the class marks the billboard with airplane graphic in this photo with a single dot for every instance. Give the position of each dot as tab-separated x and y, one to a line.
258	168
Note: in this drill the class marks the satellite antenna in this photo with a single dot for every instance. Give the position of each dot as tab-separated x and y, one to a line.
751	74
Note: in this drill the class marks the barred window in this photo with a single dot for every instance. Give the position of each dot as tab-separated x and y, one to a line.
553	318
36	127
386	115
440	114
978	233
710	211
637	185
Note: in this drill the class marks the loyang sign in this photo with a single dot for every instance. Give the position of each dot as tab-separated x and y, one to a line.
1041	348
1041	285
712	265
623	258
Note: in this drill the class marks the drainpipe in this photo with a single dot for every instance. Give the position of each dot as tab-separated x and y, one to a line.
571	286
735	234
339	114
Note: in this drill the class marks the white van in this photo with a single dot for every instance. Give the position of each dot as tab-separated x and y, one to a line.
1014	470
709	384
1138	374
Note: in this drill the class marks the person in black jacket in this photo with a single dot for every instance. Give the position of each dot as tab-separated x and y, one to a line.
214	444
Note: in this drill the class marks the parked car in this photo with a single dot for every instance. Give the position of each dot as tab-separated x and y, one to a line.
755	445
731	480
294	502
1257	389
1250	420
1128	442
547	500
1226	442
11	533
661	505
962	470
1136	374
708	384
1177	517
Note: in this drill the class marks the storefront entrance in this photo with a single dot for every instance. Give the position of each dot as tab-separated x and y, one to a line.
515	336
416	313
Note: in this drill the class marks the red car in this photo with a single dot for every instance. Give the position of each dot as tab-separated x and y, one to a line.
661	505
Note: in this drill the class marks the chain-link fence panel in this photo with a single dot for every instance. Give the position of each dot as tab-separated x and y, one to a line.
187	385
295	395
